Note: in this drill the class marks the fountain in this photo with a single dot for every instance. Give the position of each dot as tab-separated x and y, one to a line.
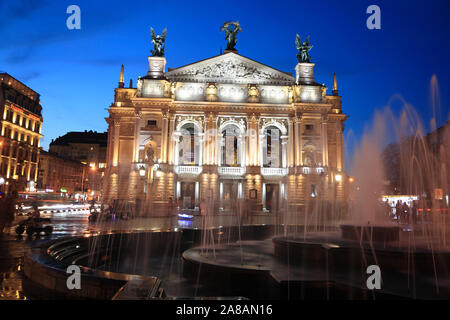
324	256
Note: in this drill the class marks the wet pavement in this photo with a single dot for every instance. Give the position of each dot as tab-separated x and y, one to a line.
75	223
13	247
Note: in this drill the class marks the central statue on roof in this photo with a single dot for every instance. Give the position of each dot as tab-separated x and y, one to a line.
158	42
231	29
303	49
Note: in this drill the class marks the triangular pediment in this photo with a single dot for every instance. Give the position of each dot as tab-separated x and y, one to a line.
230	67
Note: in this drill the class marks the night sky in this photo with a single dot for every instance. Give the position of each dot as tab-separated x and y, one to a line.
76	71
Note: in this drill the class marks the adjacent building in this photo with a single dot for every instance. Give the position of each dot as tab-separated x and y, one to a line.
58	174
21	124
439	144
88	148
225	128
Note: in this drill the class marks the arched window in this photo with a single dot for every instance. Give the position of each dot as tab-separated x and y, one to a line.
189	147
231	146
272	148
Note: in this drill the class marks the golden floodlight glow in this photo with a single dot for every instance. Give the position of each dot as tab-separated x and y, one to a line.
338	177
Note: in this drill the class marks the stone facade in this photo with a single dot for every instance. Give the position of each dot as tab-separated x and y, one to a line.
225	128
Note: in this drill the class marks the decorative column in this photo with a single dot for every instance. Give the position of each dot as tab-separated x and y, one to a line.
164	134
339	147
217	143
176	142
209	140
138	115
298	142
170	144
324	136
291	143
213	143
202	149
252	149
261	135
284	150
258	144
116	143
243	148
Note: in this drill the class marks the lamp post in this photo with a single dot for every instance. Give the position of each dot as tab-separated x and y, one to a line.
93	170
83	177
82	180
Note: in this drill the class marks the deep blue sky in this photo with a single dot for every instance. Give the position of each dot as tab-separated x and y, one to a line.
76	71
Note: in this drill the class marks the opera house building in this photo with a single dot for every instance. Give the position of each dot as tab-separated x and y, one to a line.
222	129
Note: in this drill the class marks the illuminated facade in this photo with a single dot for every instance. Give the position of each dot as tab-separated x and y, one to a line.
89	148
225	128
60	174
21	123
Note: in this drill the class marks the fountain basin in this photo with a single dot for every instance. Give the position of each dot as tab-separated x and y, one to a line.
109	261
378	233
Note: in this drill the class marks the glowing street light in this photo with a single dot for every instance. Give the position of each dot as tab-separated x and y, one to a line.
157	169
351	179
142	171
338	177
158	172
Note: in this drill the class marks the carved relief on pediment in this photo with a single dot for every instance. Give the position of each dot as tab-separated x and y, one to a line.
229	70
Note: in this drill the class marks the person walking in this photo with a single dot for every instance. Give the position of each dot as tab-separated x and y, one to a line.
405	212
398	210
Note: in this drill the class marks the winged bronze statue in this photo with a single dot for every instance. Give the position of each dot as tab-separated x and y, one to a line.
303	49
231	29
158	42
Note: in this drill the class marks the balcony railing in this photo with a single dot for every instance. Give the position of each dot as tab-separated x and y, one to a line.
313	170
232	171
274	171
188	170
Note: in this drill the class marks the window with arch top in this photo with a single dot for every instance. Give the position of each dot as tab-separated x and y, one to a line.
272	149
189	147
231	146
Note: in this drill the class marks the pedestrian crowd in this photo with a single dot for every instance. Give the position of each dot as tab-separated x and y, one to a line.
405	213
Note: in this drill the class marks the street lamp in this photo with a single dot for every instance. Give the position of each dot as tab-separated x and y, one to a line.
157	169
142	171
338	177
